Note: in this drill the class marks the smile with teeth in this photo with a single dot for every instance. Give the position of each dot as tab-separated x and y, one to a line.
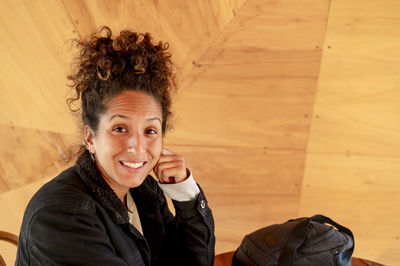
132	165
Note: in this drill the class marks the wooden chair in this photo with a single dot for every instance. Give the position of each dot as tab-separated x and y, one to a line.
10	238
225	259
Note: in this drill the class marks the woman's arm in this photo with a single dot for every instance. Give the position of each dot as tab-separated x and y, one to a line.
190	233
196	224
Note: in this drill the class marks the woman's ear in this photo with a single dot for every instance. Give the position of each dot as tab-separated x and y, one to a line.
89	137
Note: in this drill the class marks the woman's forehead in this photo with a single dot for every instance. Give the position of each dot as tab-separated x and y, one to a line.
133	103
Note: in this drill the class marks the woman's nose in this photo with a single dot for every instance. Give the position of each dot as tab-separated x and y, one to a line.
135	144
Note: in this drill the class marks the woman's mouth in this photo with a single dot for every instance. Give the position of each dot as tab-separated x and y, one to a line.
132	165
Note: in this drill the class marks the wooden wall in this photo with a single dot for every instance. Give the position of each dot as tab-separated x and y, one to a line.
244	115
353	155
286	108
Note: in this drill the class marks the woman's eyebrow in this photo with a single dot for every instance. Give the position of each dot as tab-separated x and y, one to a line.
126	117
153	118
117	115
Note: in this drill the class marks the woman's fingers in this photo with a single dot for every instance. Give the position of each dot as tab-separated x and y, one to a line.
170	167
167	152
170	158
174	174
165	165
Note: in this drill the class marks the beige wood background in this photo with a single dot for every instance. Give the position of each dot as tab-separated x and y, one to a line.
353	154
286	108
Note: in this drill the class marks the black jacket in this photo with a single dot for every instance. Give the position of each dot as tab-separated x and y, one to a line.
77	219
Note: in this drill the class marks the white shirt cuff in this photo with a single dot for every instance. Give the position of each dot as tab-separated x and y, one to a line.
182	191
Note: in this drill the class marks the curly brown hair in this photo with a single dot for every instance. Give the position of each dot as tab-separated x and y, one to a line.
105	68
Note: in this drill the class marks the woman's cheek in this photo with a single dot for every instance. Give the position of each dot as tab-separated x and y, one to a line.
156	148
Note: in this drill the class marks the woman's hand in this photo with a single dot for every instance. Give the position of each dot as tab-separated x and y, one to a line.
170	168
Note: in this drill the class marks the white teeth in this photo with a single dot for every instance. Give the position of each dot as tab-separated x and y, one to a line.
133	165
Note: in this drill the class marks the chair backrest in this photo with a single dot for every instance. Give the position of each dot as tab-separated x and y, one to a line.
223	259
10	238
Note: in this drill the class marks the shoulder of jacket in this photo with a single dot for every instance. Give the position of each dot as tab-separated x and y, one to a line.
65	190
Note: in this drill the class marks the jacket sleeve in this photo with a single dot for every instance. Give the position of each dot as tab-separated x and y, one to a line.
191	232
66	235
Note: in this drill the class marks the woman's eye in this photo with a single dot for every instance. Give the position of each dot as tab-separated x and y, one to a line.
119	129
151	131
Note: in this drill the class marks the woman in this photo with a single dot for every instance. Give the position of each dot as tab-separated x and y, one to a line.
107	209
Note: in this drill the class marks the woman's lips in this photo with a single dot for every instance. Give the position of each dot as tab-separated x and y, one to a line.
132	166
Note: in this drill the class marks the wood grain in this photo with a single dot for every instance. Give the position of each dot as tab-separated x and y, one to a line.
357	103
244	187
353	157
244	114
29	155
257	111
35	61
246	90
360	193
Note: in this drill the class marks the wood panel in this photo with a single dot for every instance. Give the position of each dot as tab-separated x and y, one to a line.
359	88
29	155
248	91
244	114
239	105
353	157
244	187
277	25
35	61
359	192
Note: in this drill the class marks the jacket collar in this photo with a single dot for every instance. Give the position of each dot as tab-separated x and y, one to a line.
102	192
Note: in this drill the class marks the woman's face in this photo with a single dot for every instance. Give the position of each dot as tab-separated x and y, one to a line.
128	141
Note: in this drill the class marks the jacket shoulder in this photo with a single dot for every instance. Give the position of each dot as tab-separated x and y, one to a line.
65	189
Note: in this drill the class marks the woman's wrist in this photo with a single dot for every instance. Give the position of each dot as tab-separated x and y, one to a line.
183	191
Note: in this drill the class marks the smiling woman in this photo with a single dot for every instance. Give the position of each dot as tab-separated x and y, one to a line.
107	209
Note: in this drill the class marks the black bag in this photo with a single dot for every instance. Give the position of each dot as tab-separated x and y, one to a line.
303	241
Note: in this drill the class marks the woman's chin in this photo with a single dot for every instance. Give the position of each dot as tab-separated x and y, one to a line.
133	181
131	177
